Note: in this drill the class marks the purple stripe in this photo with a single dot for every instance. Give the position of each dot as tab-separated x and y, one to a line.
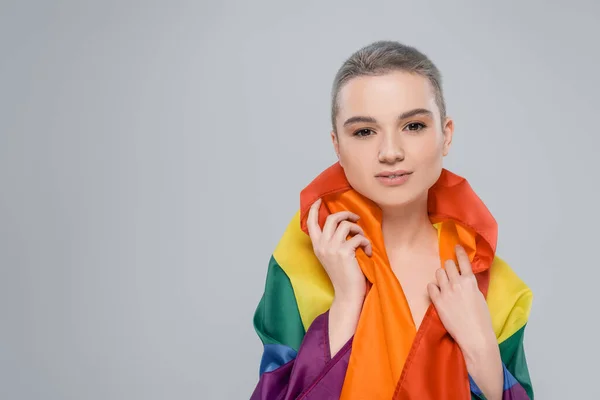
515	392
273	384
313	354
328	386
312	374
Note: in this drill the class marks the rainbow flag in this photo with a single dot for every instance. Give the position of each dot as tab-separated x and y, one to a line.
292	316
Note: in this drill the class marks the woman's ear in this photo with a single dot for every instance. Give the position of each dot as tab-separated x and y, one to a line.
448	131
336	145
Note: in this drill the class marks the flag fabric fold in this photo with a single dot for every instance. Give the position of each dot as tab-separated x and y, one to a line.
387	358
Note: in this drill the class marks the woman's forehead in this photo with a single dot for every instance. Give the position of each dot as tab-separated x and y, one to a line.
393	93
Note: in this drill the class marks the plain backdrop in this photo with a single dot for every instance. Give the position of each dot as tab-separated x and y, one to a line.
152	154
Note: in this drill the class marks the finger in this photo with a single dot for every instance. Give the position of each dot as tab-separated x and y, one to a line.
463	261
360	241
312	222
442	279
434	292
334	219
344	229
451	271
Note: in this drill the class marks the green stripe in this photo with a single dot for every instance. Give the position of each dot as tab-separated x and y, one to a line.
513	356
277	319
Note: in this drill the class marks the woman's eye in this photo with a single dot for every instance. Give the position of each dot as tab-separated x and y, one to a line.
363	132
415	126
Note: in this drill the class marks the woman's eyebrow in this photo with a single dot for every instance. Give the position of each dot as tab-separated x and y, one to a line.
404	115
416	111
360	118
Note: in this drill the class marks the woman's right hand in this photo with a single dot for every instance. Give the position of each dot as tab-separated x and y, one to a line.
337	254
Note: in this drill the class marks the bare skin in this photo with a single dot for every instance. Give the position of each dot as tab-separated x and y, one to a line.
414	281
386	123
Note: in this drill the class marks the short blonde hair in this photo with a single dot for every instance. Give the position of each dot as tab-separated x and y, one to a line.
382	57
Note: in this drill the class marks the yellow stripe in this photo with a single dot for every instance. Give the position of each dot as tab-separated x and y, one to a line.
312	287
509	300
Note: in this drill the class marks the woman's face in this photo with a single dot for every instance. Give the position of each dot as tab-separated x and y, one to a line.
391	123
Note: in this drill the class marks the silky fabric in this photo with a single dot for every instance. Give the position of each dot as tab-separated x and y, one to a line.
390	358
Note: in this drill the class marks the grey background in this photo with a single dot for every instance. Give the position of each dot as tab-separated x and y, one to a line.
151	155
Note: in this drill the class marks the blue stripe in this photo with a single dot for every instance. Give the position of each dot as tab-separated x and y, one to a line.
509	381
474	388
274	356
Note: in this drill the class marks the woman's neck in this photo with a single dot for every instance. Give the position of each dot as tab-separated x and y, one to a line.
407	227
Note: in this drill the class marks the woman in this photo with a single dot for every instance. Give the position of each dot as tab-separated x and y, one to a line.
386	284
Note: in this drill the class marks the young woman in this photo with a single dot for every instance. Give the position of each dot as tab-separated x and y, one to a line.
386	284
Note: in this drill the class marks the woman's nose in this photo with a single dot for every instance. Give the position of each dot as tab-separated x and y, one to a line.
391	149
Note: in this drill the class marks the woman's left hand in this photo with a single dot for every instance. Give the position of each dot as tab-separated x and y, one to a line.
462	307
463	311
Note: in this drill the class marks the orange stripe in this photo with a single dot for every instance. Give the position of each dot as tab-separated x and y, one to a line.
378	354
